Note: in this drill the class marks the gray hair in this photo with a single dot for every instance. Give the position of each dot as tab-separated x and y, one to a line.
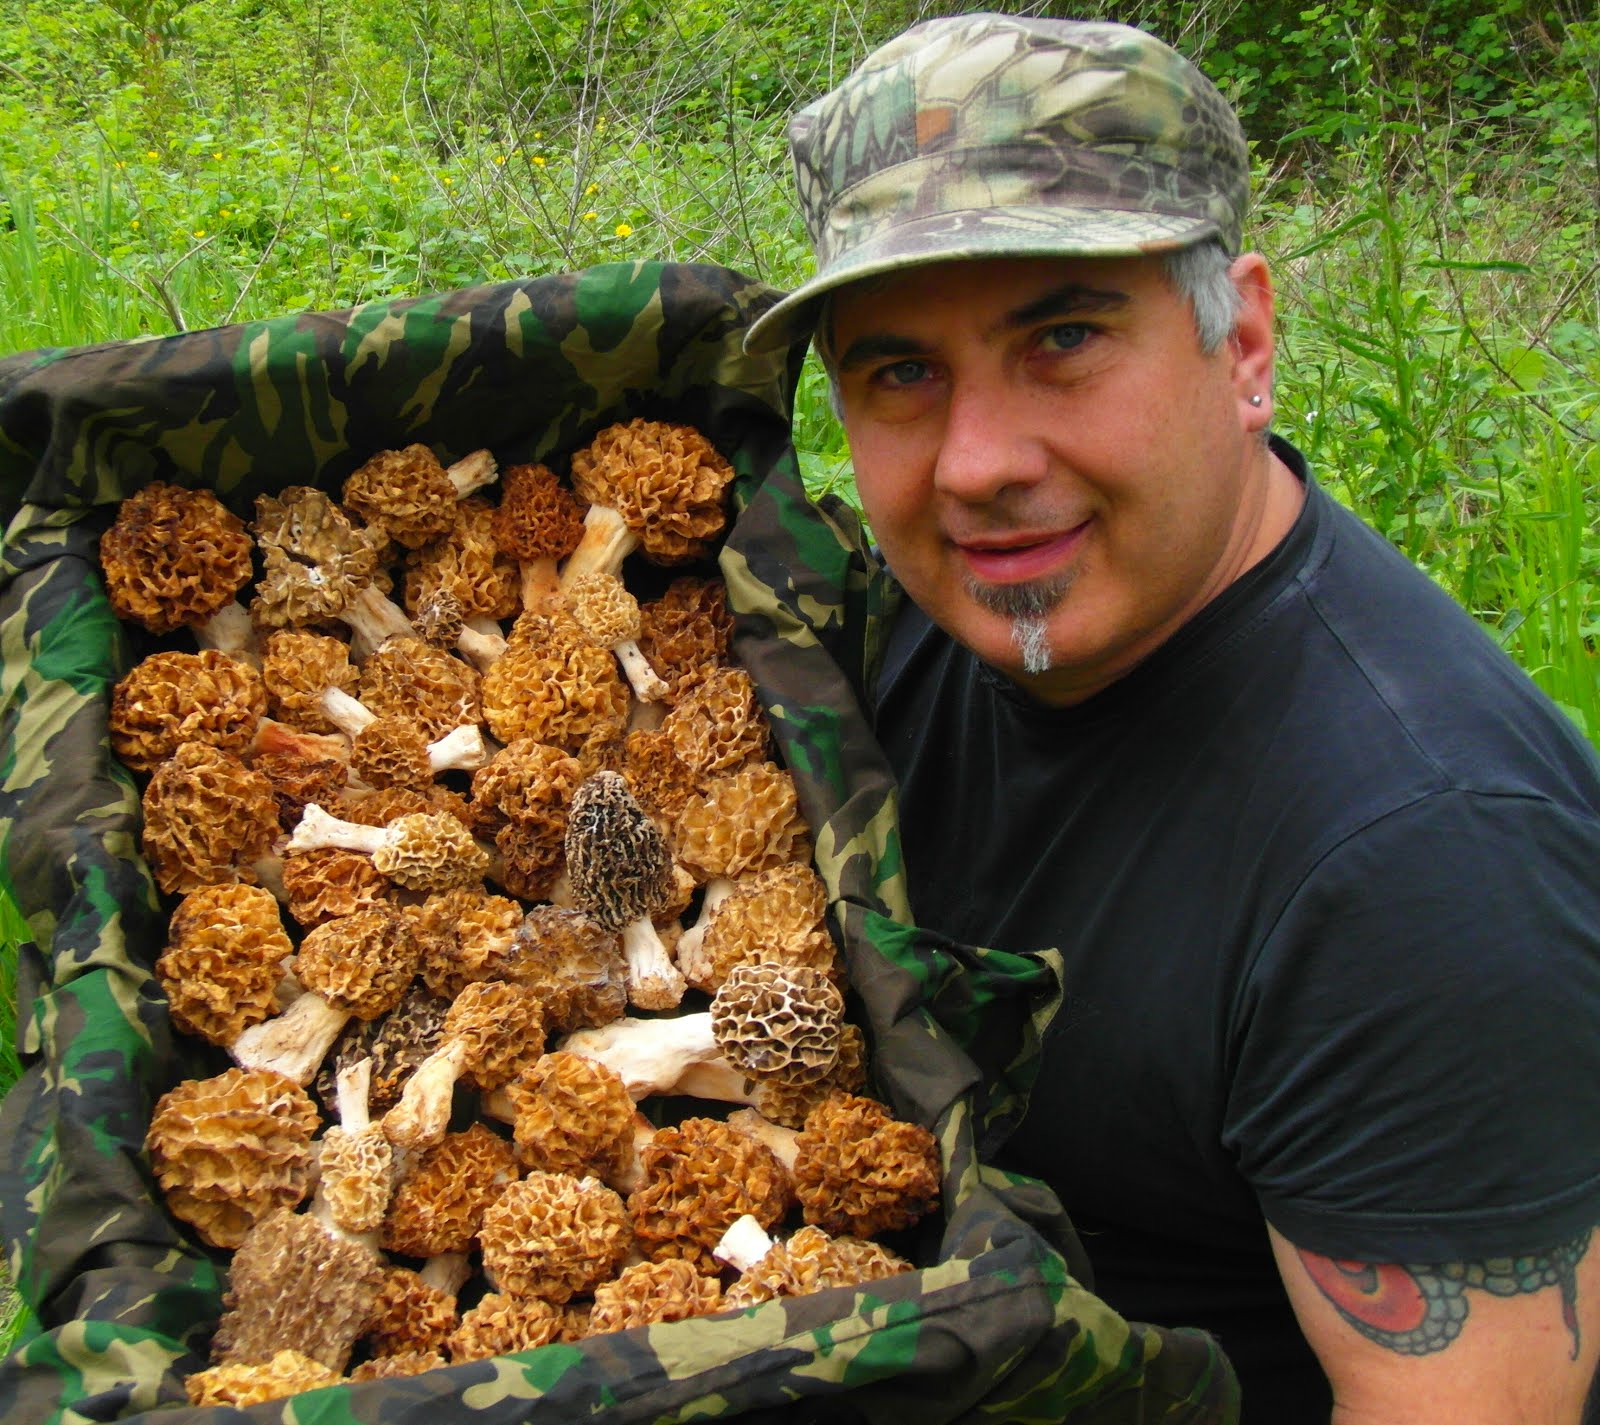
1198	274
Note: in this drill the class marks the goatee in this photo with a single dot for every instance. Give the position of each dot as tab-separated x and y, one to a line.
1028	606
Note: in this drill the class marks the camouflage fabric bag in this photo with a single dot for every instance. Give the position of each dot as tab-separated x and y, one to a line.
995	1324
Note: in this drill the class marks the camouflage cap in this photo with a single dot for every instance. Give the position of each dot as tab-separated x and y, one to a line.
998	135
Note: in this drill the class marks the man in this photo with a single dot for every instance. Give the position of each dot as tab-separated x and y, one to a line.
1321	864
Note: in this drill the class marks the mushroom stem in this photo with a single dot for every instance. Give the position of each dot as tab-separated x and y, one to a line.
319	829
461	749
483	646
372	618
606	542
718	889
295	1042
648	1055
653	980
784	1142
230	631
744	1244
447	1272
346	713
646	683
421	1117
472	472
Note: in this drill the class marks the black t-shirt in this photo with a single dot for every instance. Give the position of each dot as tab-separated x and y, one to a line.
1325	874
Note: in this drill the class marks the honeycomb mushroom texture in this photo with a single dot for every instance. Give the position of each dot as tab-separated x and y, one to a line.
173	557
298	667
230	1150
576	964
465	563
812	1261
243	1383
701	1176
410	679
330	882
779	1022
403	1363
554	1237
502	1323
404	492
742	822
207	817
409	1315
573	1115
430	852
395	1042
648	1292
168	699
438	1206
556	689
315	558
860	1171
617	858
718	724
224	958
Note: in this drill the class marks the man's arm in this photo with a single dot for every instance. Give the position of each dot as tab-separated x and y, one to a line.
1511	1341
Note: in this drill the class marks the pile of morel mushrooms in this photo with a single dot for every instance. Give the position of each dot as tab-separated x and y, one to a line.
472	853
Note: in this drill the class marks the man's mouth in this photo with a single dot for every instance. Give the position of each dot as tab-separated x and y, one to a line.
1015	559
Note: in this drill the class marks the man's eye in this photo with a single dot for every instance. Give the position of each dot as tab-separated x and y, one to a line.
1064	337
903	373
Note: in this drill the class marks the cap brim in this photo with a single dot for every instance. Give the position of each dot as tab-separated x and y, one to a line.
965	236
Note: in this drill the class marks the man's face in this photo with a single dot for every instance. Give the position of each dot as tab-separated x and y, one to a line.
1052	467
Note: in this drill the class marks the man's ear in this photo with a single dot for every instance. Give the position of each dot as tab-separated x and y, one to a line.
1251	343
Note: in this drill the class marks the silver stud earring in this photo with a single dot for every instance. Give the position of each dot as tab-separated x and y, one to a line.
1255	400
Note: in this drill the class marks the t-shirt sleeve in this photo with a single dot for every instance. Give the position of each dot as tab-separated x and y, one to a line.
1416	1048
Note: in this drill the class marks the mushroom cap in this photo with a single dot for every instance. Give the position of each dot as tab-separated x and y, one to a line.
774	916
554	1236
538	517
502	1323
603	607
388	804
439	617
430	852
298	780
232	1149
648	1292
575	964
860	1172
742	821
438	1205
411	679
557	690
293	1285
168	699
788	1103
405	492
316	558
241	1383
360	963
355	1169
500	1028
396	1043
811	1261
391	752
574	1116
207	817
667	481
700	1176
779	1022
466	936
687	632
617	858
465	562
402	1363
224	958
409	1315
718	724
173	557
331	882
520	797
660	780
297	667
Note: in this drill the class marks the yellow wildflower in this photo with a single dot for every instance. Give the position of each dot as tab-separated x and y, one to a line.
499	159
538	161
623	229
591	214
591	190
151	153
199	232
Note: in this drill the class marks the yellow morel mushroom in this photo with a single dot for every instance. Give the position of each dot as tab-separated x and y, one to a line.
168	699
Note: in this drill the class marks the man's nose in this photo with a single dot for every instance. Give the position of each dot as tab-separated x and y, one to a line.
989	443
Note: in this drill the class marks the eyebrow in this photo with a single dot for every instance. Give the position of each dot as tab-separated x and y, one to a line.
1068	300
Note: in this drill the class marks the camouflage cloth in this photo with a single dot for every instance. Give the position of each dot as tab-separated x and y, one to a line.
995	1324
984	135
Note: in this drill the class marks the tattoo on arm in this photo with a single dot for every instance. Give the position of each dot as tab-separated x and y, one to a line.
1416	1309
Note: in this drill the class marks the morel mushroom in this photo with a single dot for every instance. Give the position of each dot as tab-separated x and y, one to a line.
355	965
393	752
775	915
355	1162
609	615
323	885
621	873
207	819
741	822
554	687
241	1383
168	699
226	948
572	1115
466	936
175	558
410	1315
502	1323
423	851
229	1150
576	966
649	484
554	1237
295	1286
410	495
860	1171
698	1178
491	1031
311	683
806	1262
396	1043
776	1099
538	523
436	690
437	1207
648	1292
